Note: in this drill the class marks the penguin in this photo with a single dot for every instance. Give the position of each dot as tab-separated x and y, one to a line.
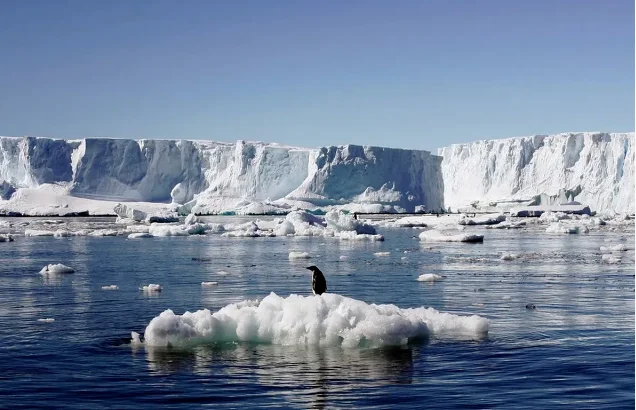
318	281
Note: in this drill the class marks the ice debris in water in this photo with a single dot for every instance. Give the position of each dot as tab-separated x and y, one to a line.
614	248
509	256
46	320
611	259
57	268
152	288
329	319
429	277
559	227
139	235
209	284
298	255
382	254
434	235
6	238
110	287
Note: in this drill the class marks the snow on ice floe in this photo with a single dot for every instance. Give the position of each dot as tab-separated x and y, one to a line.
435	235
56	268
329	319
298	255
151	288
110	287
429	277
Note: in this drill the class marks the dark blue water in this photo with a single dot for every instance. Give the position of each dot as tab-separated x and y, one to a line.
575	350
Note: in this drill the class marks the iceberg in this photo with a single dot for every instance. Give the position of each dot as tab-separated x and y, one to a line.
595	169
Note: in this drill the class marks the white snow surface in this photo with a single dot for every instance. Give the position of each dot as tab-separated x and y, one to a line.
429	277
434	235
553	168
329	319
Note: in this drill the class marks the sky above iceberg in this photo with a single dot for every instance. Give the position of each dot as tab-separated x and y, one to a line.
411	74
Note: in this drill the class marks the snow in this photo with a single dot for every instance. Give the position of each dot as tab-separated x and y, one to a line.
435	235
152	288
429	277
611	259
56	268
614	248
329	319
482	220
299	255
594	169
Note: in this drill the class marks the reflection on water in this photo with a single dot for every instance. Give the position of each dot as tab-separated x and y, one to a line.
304	375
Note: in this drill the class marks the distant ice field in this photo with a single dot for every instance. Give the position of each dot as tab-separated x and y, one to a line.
559	308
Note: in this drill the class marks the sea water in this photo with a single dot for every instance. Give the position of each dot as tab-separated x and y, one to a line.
561	322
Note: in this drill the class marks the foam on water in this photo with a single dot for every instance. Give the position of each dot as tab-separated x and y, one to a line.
328	319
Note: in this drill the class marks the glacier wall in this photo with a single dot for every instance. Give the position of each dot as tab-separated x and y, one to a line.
222	174
596	169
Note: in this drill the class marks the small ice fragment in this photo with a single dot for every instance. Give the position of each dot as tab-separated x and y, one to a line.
382	253
139	235
56	268
152	288
135	339
46	320
298	255
208	284
507	298
509	256
429	277
110	287
343	257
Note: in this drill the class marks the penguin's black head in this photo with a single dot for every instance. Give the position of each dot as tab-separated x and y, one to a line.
313	268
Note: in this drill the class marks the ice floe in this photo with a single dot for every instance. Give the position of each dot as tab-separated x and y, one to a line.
434	235
57	268
429	277
328	319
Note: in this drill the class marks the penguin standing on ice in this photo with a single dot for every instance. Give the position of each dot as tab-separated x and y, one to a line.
318	281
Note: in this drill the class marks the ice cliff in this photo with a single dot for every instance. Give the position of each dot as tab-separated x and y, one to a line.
595	169
216	175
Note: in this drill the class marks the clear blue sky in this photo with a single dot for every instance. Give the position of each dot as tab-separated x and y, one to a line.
412	74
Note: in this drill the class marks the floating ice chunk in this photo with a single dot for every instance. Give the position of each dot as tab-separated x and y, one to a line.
135	339
551	217
611	259
507	225
328	319
6	238
343	257
152	288
209	284
509	256
46	320
434	235
191	219
558	227
104	232
222	273
298	255
139	235
56	268
62	234
125	211
614	248
339	222
36	232
382	254
352	235
429	277
482	220
162	217
506	297
110	287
